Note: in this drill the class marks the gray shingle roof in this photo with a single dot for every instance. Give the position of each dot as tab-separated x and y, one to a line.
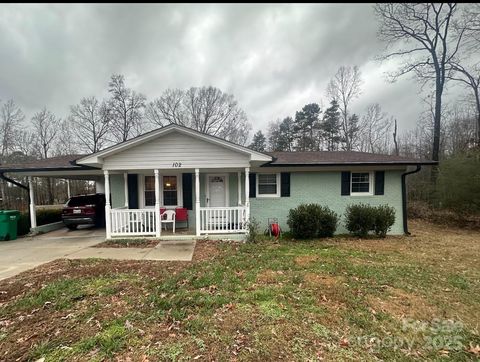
339	158
51	163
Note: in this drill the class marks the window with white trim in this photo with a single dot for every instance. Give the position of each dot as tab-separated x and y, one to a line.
268	185
361	183
149	190
170	196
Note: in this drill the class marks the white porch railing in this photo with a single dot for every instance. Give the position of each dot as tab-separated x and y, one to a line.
223	220
132	222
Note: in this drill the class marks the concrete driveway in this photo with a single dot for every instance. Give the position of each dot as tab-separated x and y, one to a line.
26	253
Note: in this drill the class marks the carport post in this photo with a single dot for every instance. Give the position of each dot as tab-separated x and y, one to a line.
108	225
68	188
247	194
158	225
239	180
197	202
33	213
125	186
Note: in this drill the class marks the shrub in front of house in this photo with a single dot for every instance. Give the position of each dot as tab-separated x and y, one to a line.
384	220
312	220
361	219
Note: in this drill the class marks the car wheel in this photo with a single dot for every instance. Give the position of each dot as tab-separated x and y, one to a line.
72	227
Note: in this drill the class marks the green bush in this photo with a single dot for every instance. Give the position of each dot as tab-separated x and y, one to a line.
384	219
360	219
44	216
312	220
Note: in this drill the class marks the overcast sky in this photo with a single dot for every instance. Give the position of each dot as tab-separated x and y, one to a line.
272	58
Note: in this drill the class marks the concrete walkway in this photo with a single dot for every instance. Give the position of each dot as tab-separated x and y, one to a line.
26	253
165	250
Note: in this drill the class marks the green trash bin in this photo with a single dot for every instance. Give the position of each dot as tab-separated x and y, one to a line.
8	224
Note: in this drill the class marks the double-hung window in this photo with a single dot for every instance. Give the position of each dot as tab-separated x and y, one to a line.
170	191
268	185
149	190
361	183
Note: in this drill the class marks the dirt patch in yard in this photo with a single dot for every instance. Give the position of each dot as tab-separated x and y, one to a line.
315	280
401	304
305	260
269	276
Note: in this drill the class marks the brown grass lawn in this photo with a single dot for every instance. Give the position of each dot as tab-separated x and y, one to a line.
402	298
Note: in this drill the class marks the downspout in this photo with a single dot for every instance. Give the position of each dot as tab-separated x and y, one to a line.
3	177
404	198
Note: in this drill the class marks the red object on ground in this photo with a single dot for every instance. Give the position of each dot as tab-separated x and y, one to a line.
275	230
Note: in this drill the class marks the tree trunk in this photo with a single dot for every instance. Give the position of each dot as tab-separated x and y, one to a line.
50	191
436	130
477	100
395	139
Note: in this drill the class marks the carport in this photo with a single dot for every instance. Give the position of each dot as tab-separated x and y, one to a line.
62	167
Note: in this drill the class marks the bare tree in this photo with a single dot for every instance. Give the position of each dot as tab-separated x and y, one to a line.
375	130
11	119
46	127
26	143
66	142
469	76
90	120
206	109
422	35
169	108
344	88
127	107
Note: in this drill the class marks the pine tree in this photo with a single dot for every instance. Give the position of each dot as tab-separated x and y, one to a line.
281	135
331	126
259	142
307	124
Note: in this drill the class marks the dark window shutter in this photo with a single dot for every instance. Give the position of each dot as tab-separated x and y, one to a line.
187	190
346	183
253	187
285	184
379	182
132	180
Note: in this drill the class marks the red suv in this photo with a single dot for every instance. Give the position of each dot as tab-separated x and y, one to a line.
84	209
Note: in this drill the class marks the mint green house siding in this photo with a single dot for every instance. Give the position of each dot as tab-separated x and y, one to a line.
117	190
324	188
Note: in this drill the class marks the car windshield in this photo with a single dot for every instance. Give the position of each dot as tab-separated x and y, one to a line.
83	200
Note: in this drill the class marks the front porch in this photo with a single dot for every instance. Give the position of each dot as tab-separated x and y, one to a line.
216	202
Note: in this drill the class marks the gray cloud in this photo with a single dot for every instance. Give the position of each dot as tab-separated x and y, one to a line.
273	58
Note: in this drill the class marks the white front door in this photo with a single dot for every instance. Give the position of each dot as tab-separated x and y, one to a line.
216	191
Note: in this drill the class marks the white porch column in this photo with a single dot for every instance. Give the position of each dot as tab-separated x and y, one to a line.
68	188
108	224
197	202
125	186
239	180
33	213
247	194
158	225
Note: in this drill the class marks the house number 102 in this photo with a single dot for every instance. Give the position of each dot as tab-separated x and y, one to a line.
177	164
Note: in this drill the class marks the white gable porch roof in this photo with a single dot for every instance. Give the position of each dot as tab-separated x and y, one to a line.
172	145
